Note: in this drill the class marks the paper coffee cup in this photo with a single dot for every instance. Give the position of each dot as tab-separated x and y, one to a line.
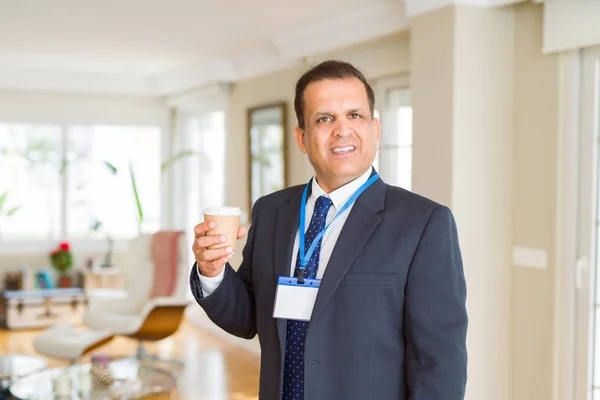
228	221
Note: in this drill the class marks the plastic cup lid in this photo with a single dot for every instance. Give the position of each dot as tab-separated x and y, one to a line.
224	211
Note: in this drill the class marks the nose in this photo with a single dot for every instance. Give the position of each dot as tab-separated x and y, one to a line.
342	128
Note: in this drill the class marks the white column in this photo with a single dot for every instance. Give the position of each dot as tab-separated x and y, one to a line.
462	157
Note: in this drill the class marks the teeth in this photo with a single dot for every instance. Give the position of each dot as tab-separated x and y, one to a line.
343	149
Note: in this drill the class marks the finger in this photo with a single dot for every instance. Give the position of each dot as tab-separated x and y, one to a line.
242	231
213	255
215	265
201	229
206	241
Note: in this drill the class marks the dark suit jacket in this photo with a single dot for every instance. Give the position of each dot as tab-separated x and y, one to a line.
389	321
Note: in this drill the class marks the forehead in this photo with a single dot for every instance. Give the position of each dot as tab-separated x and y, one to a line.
335	94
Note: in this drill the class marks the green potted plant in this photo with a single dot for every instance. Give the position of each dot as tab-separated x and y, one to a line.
62	261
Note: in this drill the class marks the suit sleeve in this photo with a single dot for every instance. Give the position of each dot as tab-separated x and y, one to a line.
231	306
435	314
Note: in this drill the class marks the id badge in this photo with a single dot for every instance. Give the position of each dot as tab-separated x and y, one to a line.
295	300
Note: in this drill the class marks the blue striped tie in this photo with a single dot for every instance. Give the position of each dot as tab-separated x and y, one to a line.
293	370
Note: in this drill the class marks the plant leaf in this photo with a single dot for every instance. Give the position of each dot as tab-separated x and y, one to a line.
110	167
63	167
135	193
12	211
171	160
96	224
3	199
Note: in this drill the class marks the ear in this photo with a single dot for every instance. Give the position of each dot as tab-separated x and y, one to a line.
299	136
377	127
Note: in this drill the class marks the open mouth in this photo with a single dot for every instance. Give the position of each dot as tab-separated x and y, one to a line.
340	151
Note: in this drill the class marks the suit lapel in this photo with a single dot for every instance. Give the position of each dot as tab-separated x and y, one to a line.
286	226
359	226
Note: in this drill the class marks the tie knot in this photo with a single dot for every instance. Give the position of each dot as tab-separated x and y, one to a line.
322	204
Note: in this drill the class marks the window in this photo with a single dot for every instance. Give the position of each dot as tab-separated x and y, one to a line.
395	149
206	182
75	182
98	194
199	179
30	178
394	157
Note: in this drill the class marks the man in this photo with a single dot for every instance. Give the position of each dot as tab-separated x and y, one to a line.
389	319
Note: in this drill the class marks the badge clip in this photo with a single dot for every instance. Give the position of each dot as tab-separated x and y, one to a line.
301	277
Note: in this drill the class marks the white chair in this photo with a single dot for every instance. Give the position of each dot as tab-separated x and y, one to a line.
65	341
137	312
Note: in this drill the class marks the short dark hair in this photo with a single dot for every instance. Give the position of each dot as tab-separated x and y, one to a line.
331	69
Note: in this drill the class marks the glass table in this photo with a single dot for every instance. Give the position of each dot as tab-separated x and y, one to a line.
14	366
134	379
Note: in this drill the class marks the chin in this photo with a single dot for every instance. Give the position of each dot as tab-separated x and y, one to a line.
349	173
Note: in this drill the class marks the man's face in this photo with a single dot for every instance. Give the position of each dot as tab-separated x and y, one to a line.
339	136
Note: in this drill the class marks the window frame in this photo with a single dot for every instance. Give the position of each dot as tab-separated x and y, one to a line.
587	245
577	216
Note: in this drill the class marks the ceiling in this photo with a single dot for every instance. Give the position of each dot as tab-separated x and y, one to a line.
152	47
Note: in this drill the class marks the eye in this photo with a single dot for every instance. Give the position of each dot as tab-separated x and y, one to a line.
324	119
355	116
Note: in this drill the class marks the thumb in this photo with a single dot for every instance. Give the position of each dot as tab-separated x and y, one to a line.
242	232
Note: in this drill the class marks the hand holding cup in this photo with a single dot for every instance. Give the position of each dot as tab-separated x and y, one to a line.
215	239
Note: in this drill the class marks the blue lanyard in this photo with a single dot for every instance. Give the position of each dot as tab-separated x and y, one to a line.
305	257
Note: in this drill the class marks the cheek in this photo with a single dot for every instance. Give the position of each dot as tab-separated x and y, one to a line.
369	140
318	142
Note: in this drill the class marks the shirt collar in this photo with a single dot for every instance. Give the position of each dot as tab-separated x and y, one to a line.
340	196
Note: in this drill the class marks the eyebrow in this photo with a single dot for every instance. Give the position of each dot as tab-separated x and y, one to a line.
352	110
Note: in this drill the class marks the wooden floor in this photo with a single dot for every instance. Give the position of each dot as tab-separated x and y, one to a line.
214	369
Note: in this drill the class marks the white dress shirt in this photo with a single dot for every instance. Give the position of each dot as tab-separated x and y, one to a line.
338	197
